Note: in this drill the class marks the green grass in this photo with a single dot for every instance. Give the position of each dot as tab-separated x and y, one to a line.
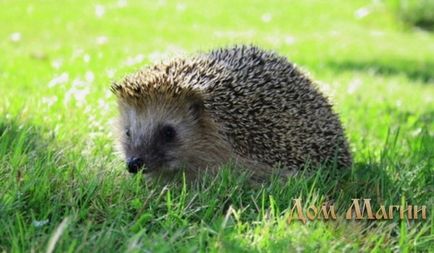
418	13
58	164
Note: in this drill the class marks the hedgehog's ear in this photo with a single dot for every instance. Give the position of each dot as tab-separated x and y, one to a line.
196	107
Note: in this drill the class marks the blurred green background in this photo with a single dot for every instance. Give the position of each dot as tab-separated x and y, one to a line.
373	59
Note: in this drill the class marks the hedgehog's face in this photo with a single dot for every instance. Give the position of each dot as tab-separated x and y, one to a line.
159	136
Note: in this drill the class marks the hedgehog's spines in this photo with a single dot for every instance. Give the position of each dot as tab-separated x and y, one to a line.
266	108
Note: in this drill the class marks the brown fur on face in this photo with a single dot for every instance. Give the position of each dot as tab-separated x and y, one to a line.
197	145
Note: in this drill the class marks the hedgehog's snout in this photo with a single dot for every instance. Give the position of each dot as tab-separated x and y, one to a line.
135	164
143	164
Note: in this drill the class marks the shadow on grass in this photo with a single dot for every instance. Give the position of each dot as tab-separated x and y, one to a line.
18	139
416	71
42	182
32	172
23	146
404	167
44	192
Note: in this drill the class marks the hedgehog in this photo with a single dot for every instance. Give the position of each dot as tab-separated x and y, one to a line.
239	105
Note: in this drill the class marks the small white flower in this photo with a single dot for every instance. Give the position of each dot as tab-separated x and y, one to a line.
354	85
289	40
86	58
49	101
57	63
181	7
362	12
134	60
326	89
99	10
62	78
78	52
15	37
78	83
89	76
110	73
156	56
103	105
266	17
101	40
107	94
122	3
78	92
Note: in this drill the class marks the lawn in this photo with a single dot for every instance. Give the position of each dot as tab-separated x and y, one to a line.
64	187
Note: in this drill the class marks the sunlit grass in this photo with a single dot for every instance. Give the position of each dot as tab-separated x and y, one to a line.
58	162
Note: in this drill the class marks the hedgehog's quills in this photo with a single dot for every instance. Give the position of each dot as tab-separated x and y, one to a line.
240	104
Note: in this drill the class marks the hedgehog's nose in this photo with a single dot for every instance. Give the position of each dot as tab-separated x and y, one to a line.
134	164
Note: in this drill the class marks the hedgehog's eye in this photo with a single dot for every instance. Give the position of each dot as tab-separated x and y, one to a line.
127	133
168	133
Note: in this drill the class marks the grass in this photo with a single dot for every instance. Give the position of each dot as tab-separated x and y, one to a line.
418	13
64	188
